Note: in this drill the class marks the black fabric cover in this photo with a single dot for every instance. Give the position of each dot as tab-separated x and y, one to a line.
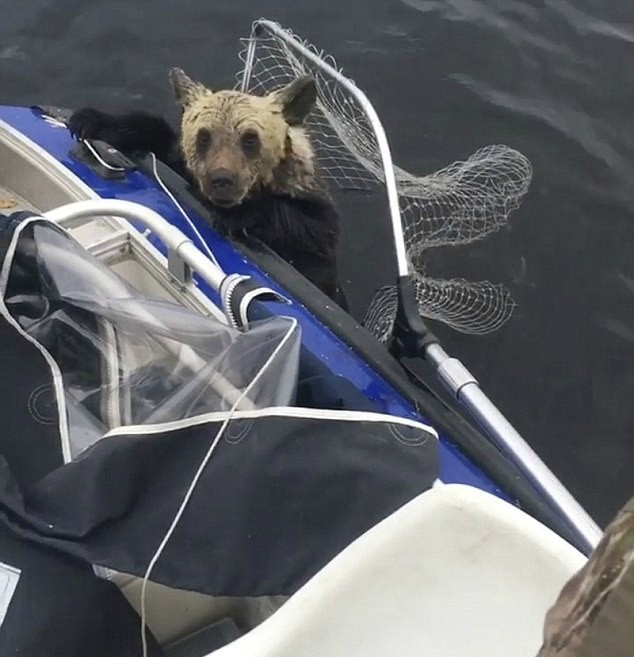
30	419
278	499
60	608
283	493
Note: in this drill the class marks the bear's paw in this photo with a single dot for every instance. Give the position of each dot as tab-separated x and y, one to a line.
87	123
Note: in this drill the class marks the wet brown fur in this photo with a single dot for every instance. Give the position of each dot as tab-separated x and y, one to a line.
274	196
284	164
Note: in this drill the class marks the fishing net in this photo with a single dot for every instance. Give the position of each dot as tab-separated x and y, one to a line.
457	205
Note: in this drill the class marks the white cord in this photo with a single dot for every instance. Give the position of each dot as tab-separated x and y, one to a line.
196	478
178	516
182	211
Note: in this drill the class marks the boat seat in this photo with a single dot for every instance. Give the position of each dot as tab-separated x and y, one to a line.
456	572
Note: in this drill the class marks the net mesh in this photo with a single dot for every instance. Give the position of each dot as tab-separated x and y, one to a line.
457	205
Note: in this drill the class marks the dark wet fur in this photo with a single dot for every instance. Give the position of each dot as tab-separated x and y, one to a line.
302	229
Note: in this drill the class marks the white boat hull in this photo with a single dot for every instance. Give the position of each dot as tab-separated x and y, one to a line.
454	573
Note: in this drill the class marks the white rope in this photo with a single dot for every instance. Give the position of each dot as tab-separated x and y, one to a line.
180	208
197	477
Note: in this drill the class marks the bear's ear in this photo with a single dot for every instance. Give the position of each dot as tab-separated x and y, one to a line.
297	99
185	89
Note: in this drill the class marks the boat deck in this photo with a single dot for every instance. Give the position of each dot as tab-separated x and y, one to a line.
11	202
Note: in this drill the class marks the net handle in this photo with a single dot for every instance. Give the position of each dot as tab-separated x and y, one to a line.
412	337
276	30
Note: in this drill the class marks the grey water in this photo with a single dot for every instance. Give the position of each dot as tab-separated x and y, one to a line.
551	78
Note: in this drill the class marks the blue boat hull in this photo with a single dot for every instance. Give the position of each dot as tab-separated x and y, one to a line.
319	339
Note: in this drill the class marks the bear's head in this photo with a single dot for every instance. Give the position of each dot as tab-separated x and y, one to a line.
237	144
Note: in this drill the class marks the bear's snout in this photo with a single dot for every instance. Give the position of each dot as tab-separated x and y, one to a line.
221	185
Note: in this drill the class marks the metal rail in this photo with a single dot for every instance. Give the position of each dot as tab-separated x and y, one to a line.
463	385
179	247
178	244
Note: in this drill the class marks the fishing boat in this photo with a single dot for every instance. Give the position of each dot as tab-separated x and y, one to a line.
204	455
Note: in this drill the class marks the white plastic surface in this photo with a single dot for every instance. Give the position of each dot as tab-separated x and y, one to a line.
454	573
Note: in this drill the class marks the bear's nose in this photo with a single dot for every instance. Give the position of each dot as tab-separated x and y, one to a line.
221	180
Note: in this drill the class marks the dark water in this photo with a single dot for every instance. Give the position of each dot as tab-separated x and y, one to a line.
552	78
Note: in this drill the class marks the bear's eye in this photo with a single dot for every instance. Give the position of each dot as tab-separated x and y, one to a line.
203	140
250	142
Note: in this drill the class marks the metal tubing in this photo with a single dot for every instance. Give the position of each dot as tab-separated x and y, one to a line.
364	102
181	246
464	386
175	241
248	64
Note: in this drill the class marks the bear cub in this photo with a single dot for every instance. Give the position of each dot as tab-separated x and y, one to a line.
249	161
